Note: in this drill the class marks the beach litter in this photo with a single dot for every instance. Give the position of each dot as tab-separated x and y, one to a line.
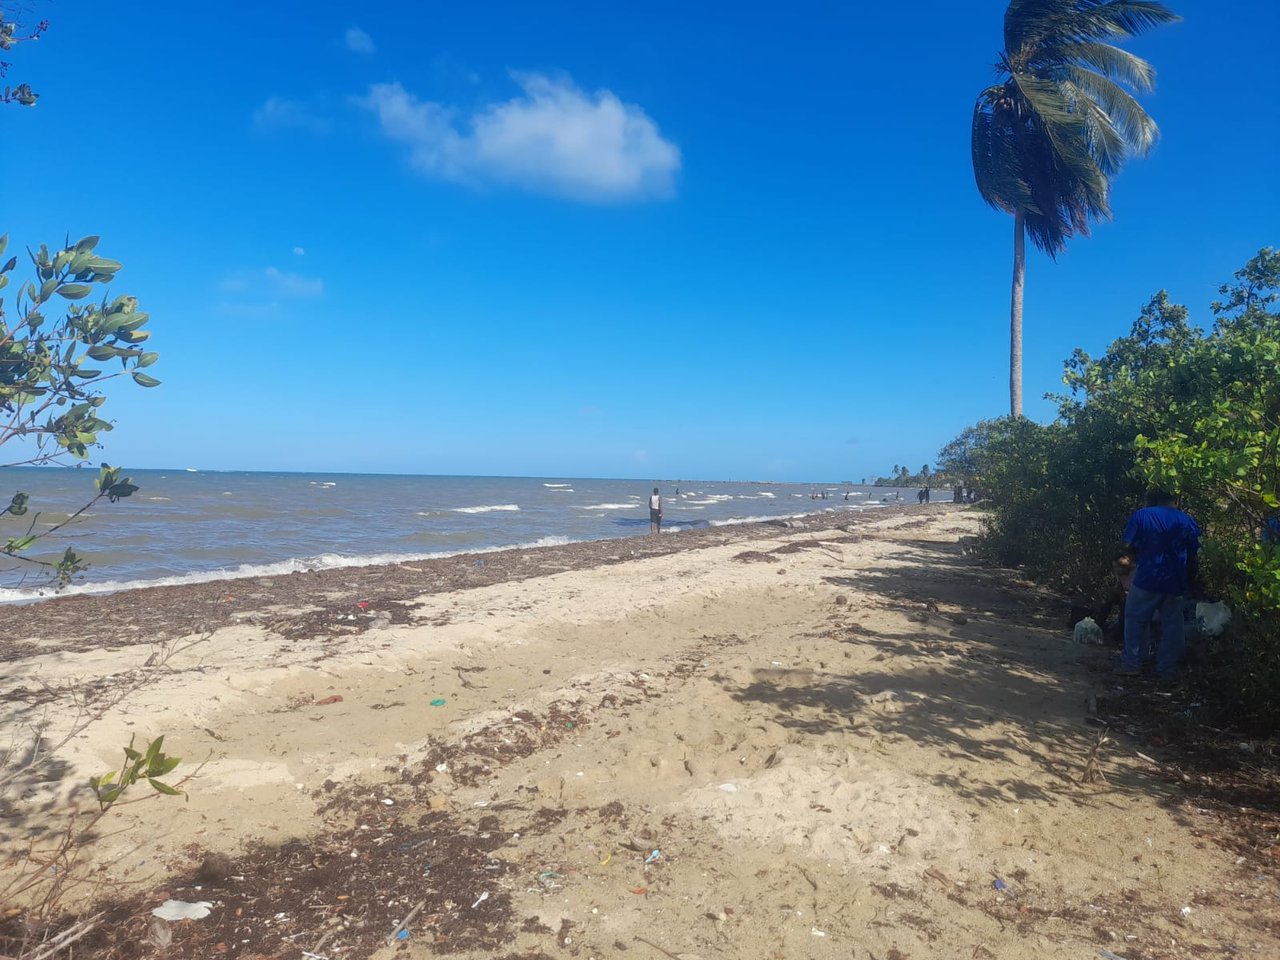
480	899
1212	618
439	702
401	932
182	910
651	858
336	698
999	884
547	879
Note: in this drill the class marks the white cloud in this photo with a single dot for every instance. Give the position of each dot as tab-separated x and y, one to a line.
278	113
554	138
358	41
294	284
271	283
299	252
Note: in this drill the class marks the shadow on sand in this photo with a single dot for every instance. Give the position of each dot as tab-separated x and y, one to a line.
990	679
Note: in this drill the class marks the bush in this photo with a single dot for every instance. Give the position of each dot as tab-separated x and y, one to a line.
1167	406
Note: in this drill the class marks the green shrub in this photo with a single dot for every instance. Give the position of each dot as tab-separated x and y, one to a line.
1166	406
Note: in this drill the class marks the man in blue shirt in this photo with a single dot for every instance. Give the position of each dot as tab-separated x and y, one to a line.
1165	541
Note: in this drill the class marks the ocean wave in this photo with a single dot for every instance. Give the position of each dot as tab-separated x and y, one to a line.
324	561
490	508
609	506
555	486
766	493
161	499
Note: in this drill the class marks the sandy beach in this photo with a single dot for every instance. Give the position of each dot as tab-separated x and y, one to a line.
781	740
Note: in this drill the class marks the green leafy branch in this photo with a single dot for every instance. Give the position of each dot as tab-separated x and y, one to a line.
56	353
150	765
12	34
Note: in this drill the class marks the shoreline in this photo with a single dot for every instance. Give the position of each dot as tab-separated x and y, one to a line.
830	735
143	614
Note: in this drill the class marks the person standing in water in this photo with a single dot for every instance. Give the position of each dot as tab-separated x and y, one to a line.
655	512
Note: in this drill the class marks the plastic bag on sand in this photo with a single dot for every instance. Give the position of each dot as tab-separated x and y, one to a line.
182	910
1212	617
1087	631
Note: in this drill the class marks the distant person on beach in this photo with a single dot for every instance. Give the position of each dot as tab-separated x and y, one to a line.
655	512
1165	542
957	495
920	497
928	495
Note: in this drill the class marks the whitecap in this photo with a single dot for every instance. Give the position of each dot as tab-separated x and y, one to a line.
555	486
609	506
490	508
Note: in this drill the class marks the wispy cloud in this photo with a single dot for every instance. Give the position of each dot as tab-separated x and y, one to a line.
272	283
554	138
294	284
358	41
279	113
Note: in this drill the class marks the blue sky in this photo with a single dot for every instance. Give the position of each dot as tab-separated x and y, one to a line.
659	240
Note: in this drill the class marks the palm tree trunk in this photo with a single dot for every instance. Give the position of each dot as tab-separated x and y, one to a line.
1015	315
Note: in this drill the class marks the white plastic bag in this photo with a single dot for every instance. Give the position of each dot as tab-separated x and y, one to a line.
182	910
1212	617
1087	631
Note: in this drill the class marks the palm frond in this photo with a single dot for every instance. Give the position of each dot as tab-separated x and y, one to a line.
1064	127
1047	141
997	167
1110	61
1028	23
1125	113
1104	141
1098	19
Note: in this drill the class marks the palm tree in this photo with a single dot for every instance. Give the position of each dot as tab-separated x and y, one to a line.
1060	123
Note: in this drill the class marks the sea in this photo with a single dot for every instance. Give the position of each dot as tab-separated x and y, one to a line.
189	526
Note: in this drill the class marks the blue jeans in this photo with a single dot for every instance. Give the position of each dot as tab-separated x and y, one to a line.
1139	609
